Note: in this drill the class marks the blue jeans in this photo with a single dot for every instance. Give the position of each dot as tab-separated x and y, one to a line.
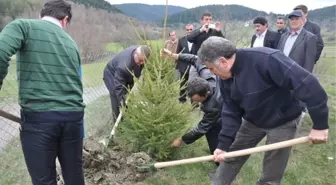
47	135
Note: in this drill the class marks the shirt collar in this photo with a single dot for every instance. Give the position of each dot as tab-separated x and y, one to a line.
263	34
52	20
297	32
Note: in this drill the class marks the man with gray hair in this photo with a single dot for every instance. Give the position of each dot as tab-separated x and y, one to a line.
118	73
264	87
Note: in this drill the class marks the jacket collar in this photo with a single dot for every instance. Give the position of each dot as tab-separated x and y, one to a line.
52	20
237	64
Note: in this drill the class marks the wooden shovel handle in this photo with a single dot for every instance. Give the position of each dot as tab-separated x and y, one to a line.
10	116
238	153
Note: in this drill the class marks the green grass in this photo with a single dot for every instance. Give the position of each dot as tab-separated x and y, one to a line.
13	169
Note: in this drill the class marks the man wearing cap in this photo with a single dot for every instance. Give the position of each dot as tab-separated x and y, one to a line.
313	28
118	73
299	44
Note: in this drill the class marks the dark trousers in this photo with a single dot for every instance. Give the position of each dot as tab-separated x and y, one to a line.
212	138
44	136
274	162
184	79
114	105
108	80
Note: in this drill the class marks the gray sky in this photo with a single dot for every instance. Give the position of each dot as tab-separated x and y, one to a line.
283	7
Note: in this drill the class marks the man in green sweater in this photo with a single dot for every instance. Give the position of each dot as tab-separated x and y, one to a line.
50	93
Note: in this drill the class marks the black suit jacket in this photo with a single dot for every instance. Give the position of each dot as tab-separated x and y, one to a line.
197	37
120	71
316	30
182	47
271	39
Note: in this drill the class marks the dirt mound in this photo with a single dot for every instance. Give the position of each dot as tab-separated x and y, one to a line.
113	166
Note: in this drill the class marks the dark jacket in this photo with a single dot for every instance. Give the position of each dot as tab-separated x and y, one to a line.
120	76
197	37
266	90
271	39
303	50
182	47
211	107
200	69
316	30
282	31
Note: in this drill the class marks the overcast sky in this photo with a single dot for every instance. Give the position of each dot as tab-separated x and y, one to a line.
282	7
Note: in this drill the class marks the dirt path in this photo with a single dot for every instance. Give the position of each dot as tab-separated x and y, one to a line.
10	129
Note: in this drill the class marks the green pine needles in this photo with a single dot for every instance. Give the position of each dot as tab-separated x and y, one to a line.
154	116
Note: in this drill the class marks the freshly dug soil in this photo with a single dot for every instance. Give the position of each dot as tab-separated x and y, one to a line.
113	166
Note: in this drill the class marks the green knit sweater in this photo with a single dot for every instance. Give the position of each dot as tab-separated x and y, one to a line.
48	65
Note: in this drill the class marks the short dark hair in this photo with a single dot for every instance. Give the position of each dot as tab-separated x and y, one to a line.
206	14
198	86
302	7
58	9
281	17
260	20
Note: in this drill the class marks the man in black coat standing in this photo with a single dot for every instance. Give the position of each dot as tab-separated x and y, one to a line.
207	30
184	46
118	73
264	37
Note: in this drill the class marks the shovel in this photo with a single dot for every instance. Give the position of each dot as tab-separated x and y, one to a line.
107	141
237	153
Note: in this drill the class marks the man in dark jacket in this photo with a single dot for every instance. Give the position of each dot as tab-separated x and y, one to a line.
118	73
184	46
201	91
313	28
264	37
201	34
264	87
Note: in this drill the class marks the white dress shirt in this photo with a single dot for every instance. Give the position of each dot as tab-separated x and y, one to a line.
259	41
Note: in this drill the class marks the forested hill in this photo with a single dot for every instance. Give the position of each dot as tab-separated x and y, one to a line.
241	13
231	12
100	4
145	12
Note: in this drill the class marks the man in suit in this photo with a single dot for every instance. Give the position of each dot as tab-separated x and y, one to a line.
118	73
184	46
281	25
264	37
299	44
313	28
201	34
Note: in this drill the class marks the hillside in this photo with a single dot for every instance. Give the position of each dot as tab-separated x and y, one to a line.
231	12
241	13
145	12
100	4
322	13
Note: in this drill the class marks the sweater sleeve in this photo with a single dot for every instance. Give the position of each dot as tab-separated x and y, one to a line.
287	74
12	38
231	117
